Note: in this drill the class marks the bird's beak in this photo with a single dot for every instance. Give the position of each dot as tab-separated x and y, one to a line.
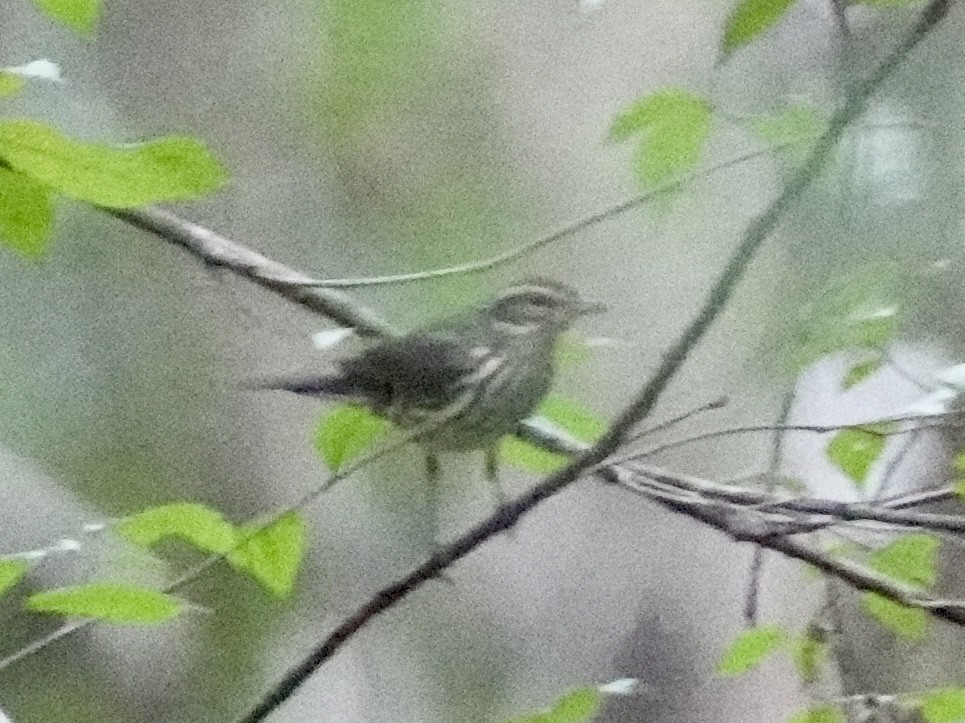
591	307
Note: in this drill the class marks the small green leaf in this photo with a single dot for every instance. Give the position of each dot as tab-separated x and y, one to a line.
273	555
796	124
808	655
525	456
863	311
910	559
959	488
568	416
574	418
579	706
26	214
750	19
749	649
794	485
958	462
824	714
855	450
908	622
113	602
196	524
167	169
345	433
11	572
11	83
570	351
674	126
859	372
946	705
80	15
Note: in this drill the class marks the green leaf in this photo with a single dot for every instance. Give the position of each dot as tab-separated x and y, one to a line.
674	126
861	312
572	418
959	489
525	456
570	351
112	602
908	622
196	524
910	559
167	169
854	450
11	572
345	433
808	655
859	372
80	15
824	714
11	83
26	214
578	706
793	485
273	555
749	649
749	20
946	705
958	462
795	124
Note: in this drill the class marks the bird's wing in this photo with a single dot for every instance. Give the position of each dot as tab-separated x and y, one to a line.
423	370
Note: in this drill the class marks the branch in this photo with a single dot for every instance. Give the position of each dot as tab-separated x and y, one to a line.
889	514
852	573
221	252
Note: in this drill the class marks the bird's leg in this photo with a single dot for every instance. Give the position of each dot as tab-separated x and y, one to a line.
492	474
432	502
432	499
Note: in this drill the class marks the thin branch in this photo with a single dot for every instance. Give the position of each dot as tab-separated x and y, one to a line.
904	373
894	464
852	573
560	234
835	509
254	528
773	468
221	252
719	403
809	428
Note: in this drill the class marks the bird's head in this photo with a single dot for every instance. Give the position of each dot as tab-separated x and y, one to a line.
538	304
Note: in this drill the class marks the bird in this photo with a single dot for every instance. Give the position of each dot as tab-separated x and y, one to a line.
463	382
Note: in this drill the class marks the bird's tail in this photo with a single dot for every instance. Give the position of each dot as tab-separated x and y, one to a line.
320	385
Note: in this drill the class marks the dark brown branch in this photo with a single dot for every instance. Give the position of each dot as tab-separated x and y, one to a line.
218	251
852	573
886	513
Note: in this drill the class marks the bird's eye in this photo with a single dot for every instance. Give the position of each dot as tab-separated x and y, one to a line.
538	301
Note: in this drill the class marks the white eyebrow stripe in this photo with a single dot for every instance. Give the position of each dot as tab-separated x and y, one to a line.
508	327
547	291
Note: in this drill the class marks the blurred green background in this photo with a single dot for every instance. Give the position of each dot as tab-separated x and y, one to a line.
367	137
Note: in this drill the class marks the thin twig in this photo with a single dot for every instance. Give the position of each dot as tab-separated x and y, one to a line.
719	403
808	428
834	509
773	468
192	574
221	252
